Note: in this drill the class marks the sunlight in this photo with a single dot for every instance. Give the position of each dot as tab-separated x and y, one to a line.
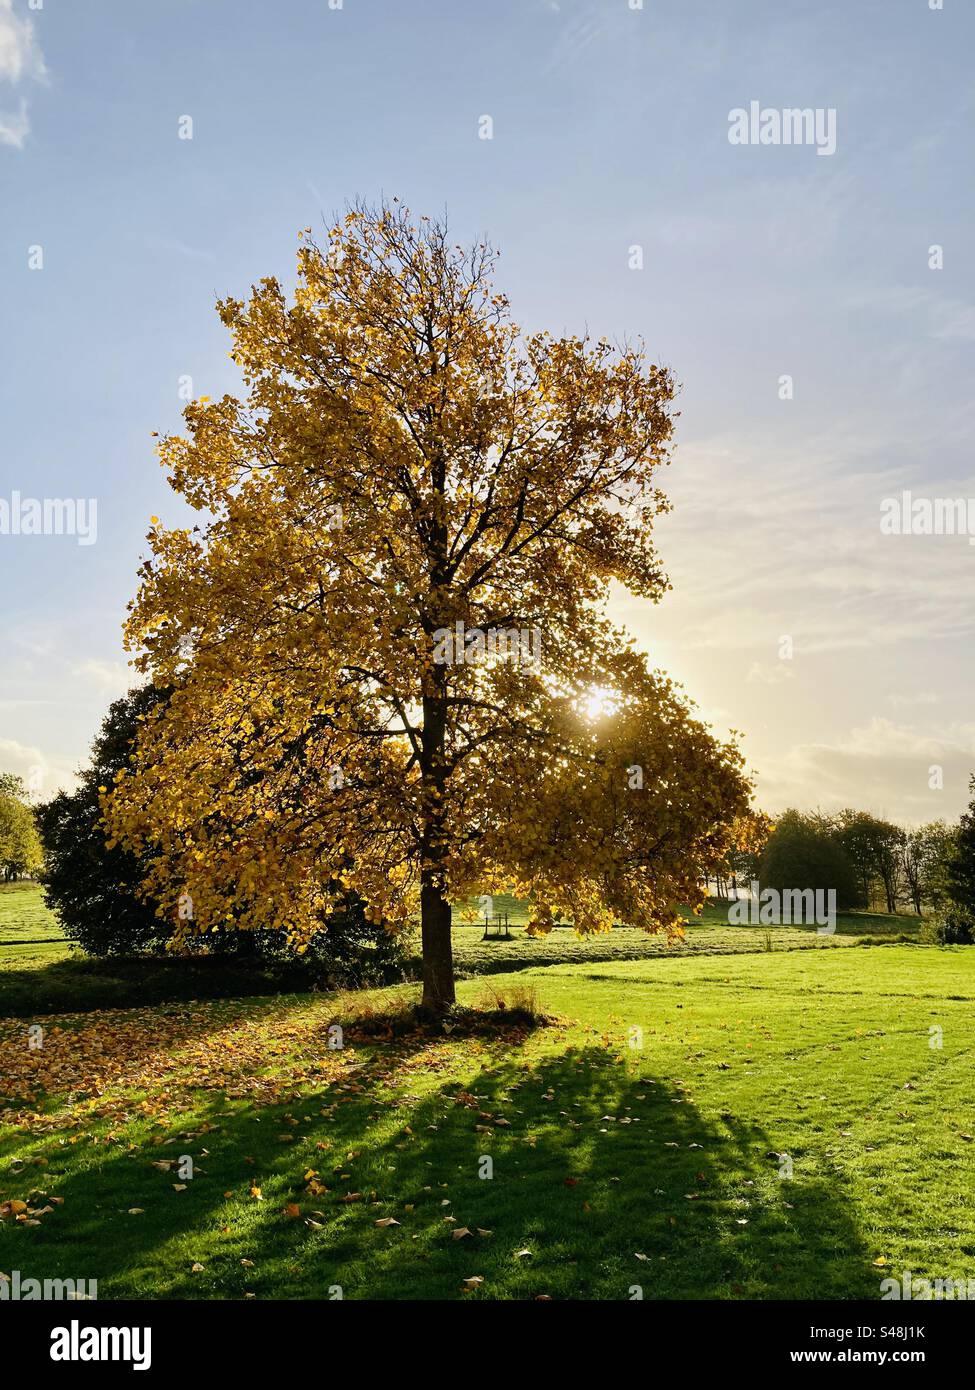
600	701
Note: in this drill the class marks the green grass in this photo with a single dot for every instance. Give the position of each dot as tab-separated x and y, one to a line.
23	916
710	933
55	977
611	1153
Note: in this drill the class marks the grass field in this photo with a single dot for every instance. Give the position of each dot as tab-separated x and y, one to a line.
52	976
613	1165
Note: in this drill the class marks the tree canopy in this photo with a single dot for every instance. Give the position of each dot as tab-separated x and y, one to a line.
385	634
801	853
20	847
959	877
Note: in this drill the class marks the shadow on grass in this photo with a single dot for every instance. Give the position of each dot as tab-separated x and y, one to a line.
613	1181
82	984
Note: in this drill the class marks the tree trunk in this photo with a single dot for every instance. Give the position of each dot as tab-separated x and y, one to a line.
438	958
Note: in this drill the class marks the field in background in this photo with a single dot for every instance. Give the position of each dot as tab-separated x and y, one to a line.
23	915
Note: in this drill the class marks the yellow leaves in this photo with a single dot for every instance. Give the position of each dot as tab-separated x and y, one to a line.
296	646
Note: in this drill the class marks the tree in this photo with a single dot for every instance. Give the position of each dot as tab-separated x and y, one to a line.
926	851
20	848
960	868
913	850
888	854
388	628
94	890
938	840
744	864
802	854
875	847
852	830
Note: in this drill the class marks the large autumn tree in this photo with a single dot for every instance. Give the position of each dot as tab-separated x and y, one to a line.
392	668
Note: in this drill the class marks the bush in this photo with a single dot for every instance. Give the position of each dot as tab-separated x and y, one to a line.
954	927
348	953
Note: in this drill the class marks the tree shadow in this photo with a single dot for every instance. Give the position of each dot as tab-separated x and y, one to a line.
605	1183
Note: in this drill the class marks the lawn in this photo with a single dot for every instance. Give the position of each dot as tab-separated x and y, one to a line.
53	977
616	1167
23	916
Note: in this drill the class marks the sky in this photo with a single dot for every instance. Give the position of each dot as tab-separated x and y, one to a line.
817	305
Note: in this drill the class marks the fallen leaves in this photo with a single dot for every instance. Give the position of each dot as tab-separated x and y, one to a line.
89	1059
26	1215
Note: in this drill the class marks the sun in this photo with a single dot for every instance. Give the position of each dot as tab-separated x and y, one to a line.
599	702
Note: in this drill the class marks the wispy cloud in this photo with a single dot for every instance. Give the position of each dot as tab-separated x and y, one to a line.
881	766
172	246
583	24
42	776
21	60
111	677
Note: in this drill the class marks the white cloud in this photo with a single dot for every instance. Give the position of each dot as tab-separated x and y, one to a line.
20	60
14	127
769	673
41	776
112	677
923	697
879	766
771	537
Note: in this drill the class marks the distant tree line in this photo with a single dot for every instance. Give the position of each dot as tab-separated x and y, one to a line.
870	863
20	846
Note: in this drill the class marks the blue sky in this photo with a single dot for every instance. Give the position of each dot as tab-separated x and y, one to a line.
610	131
